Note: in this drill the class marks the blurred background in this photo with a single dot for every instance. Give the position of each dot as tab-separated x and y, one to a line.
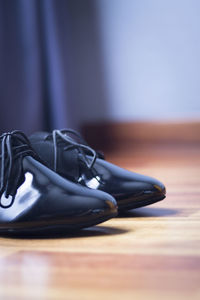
95	64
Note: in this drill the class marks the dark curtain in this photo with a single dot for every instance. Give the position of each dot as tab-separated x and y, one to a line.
34	65
52	72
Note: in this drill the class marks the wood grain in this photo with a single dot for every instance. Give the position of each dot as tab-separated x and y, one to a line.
147	253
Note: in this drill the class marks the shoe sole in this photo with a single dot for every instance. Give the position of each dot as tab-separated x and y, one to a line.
64	224
141	203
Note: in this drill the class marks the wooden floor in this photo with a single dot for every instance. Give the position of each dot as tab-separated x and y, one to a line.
149	253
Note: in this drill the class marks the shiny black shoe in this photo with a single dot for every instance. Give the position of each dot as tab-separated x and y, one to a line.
73	159
33	197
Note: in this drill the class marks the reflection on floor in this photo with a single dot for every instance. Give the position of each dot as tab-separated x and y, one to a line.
147	253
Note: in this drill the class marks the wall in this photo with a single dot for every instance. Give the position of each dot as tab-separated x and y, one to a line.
150	61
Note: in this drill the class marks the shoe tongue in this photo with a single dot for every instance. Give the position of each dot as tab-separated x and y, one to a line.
19	145
12	164
16	145
15	142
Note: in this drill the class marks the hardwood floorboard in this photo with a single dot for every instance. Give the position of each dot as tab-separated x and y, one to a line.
147	253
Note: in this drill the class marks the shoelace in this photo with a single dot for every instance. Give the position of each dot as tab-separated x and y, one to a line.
82	147
9	153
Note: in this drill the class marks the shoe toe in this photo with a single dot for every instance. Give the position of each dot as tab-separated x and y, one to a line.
140	191
83	207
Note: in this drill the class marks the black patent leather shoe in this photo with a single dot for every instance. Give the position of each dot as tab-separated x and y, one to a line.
73	159
33	197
